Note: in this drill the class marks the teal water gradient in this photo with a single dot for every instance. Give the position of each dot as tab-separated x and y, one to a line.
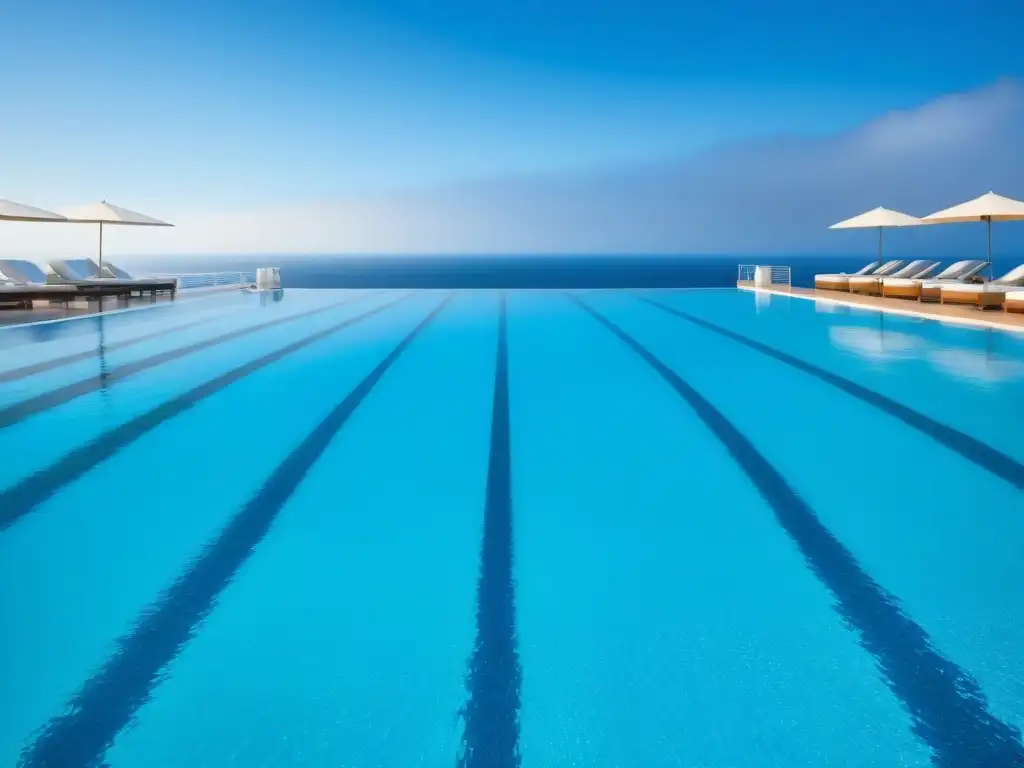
662	615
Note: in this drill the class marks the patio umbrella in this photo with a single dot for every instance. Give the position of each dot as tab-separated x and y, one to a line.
104	213
988	208
880	218
10	211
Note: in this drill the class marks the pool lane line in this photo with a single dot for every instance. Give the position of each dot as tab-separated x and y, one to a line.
948	709
110	699
48	365
22	497
17	412
970	448
491	715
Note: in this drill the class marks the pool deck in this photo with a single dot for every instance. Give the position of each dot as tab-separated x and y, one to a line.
949	313
43	311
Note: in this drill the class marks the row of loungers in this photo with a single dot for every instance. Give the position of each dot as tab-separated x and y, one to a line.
959	283
22	282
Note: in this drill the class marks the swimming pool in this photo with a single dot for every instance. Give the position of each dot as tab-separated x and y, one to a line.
699	527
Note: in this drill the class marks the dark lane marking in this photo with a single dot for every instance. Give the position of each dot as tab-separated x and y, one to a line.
12	414
491	715
20	499
970	448
49	365
948	709
109	699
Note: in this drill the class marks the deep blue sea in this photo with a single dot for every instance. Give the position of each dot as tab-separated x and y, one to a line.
518	271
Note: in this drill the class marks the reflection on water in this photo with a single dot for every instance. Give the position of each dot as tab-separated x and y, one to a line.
874	343
102	355
762	301
984	366
977	366
828	308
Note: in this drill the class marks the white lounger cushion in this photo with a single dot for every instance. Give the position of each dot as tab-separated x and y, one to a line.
865	270
953	270
983	288
961	269
22	272
915	268
889	268
937	281
1015	295
1014	276
942	283
868	270
909	271
1008	282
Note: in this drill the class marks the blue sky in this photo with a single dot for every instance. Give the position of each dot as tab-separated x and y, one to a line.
190	109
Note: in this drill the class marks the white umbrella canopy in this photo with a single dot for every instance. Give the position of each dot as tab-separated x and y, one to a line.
11	211
879	218
106	213
988	208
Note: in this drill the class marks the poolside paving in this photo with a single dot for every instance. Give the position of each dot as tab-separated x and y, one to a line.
946	312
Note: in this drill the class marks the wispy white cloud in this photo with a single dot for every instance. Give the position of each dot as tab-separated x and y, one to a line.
766	195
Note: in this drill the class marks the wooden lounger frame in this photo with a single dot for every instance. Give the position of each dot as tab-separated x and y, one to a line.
979	299
912	291
873	288
843	284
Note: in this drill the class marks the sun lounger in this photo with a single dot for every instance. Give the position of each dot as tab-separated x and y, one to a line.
929	289
164	284
841	282
22	282
824	280
21	272
113	271
990	295
1014	301
872	284
86	272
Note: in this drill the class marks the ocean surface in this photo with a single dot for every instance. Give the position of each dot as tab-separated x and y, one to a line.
519	271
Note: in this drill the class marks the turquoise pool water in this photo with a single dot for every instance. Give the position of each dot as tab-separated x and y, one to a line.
396	528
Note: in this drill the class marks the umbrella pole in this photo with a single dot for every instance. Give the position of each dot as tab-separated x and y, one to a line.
991	271
101	249
881	231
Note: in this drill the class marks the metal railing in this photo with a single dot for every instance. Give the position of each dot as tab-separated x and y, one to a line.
197	280
779	275
782	276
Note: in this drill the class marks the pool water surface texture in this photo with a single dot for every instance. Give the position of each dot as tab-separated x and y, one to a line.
490	529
